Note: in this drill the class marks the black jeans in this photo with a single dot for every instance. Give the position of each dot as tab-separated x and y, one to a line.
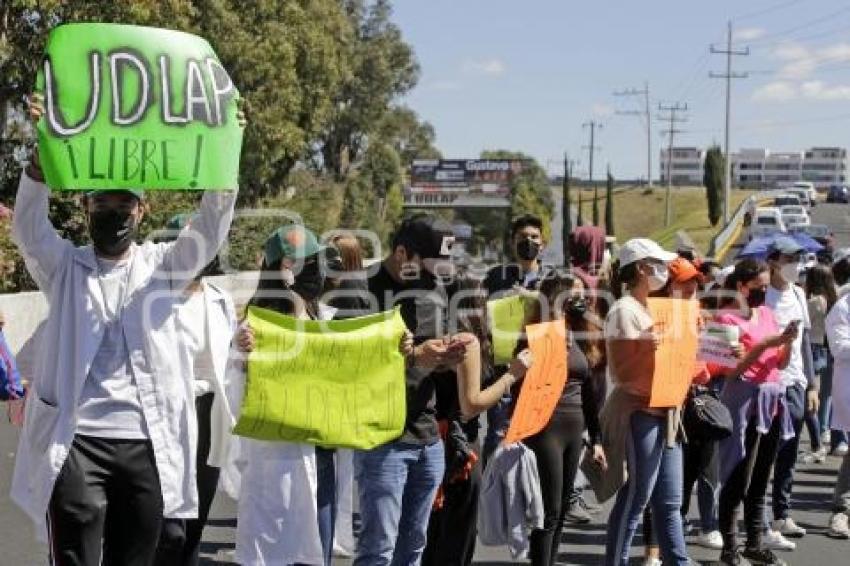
180	540
701	462
452	530
786	459
558	450
106	501
748	483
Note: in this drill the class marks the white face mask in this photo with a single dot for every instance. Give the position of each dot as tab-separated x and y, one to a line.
659	276
790	272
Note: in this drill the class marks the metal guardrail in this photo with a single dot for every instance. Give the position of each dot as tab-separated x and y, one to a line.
727	236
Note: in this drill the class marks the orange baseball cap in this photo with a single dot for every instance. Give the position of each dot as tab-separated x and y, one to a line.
682	270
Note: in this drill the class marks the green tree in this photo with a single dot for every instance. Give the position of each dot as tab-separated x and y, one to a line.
609	204
382	67
713	181
579	216
289	60
595	206
410	137
373	197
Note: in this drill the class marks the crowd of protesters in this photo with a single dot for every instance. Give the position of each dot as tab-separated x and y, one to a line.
127	425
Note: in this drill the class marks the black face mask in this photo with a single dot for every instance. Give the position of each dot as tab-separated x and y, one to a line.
527	250
310	281
756	298
112	231
576	308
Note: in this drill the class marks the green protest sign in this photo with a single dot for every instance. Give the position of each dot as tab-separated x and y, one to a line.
329	383
136	107
507	317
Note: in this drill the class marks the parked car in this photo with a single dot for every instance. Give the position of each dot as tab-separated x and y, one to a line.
794	217
838	193
766	220
787	200
810	191
802	194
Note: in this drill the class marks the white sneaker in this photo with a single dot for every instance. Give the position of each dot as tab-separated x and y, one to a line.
826	437
839	526
840	450
711	540
787	527
775	541
816	457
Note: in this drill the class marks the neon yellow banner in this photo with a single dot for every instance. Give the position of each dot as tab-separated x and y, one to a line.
329	383
507	316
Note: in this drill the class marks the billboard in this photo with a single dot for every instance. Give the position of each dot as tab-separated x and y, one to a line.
462	182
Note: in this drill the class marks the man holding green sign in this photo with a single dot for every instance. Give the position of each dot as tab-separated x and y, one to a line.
109	434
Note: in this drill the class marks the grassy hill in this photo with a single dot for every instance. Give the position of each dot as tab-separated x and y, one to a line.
637	214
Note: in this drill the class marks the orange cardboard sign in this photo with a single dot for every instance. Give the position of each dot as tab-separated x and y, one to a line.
676	325
544	382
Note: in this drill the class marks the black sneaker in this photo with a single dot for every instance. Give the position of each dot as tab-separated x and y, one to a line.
760	556
731	557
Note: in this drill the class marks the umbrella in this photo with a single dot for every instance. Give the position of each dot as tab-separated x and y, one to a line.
759	247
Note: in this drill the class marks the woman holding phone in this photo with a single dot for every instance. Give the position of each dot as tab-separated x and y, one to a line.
756	400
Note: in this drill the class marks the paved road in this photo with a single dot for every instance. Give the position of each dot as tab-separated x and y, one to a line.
580	545
836	216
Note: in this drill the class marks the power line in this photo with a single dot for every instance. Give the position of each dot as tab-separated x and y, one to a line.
769	10
671	132
810	23
728	75
645	114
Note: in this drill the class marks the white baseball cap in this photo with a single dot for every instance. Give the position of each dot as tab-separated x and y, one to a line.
637	249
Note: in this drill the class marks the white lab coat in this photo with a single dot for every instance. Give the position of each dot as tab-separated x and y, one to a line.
74	328
276	484
838	334
221	325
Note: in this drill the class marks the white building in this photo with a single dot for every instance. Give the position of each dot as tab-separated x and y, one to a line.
761	168
686	168
825	166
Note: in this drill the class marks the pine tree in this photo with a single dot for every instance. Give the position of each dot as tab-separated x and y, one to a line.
713	181
609	204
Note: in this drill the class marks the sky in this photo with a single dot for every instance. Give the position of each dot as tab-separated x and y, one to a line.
525	75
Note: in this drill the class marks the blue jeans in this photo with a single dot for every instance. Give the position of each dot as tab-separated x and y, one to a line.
655	478
396	484
825	413
786	458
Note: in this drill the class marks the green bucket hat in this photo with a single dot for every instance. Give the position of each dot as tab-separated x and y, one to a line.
293	241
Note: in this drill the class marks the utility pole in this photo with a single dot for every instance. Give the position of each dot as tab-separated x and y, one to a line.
592	148
646	115
671	132
728	75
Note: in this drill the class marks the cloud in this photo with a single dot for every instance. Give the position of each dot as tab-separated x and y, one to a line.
785	91
491	67
778	91
801	62
600	109
748	34
818	90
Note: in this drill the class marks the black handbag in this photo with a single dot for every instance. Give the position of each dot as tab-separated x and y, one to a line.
705	417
